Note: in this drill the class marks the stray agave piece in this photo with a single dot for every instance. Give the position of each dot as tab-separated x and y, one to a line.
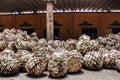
57	67
35	66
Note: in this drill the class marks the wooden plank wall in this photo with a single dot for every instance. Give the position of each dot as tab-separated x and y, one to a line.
70	22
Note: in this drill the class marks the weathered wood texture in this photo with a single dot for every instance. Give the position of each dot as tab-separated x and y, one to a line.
69	28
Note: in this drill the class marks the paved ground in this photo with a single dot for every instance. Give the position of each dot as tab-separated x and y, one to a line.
83	75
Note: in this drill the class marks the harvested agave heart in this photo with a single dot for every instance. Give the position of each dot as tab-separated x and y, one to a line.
109	58
8	52
34	34
59	53
12	46
51	43
102	41
84	37
35	38
35	49
94	45
24	45
3	45
9	37
24	56
8	65
74	61
35	66
93	60
33	44
42	43
43	53
57	43
103	51
71	44
117	64
83	47
57	67
110	42
5	34
13	31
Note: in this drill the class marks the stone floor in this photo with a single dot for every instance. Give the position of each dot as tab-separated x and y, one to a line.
83	75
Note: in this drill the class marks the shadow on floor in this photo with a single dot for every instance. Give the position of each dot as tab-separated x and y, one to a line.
8	76
76	73
93	70
41	76
65	76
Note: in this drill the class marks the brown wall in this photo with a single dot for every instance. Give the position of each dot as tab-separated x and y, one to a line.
70	22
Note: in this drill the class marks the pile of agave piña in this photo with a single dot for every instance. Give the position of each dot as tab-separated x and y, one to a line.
22	52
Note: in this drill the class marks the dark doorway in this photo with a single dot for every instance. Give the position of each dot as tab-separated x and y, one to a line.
56	33
1	30
115	30
29	31
92	32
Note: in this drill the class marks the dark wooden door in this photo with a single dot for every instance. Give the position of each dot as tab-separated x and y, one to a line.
56	33
115	30
92	32
29	31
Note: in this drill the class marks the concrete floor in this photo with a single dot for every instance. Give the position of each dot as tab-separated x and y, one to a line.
83	75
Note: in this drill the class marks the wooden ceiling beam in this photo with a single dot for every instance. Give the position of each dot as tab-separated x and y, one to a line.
34	5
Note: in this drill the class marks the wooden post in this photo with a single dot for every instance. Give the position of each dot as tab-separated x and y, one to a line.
49	19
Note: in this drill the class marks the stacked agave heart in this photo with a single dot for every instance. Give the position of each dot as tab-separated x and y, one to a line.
83	44
10	52
57	67
93	60
34	36
42	43
71	44
43	52
110	58
94	45
24	56
35	66
83	47
110	42
8	65
56	44
3	45
103	51
24	45
60	56
74	61
84	37
117	64
36	49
